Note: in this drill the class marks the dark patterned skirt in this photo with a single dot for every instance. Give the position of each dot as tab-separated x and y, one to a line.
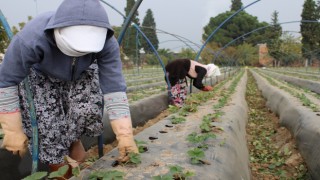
65	110
179	93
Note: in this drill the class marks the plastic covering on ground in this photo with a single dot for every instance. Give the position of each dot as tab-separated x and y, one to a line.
303	123
303	83
227	154
141	112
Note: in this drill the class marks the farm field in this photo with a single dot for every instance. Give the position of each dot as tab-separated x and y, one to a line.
83	84
238	128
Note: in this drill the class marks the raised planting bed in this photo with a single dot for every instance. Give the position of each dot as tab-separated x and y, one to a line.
141	112
174	146
301	121
302	75
303	83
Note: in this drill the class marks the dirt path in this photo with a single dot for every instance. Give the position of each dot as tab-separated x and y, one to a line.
273	154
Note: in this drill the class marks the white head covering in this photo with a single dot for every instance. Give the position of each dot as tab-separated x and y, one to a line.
80	40
212	70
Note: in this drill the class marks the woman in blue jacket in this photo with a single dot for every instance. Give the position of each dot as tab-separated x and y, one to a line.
73	63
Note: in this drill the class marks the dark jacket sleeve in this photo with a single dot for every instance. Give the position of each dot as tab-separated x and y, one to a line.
177	69
110	68
201	72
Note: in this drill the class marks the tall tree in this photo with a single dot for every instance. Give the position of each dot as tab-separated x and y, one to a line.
130	41
234	28
273	35
291	50
149	29
236	5
310	39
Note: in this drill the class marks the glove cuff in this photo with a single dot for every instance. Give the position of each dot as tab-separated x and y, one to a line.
9	100
116	105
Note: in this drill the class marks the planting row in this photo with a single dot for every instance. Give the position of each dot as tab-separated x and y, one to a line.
299	74
208	137
310	85
298	112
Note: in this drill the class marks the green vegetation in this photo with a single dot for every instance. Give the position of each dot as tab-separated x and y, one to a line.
106	174
175	173
177	120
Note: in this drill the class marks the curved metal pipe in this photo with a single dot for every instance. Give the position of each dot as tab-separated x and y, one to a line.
35	145
220	25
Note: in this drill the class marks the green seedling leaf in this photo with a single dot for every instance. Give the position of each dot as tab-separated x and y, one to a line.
140	142
175	169
36	176
176	172
196	155
194	138
177	120
141	146
173	109
60	173
183	113
135	158
76	171
205	127
164	177
106	175
189	174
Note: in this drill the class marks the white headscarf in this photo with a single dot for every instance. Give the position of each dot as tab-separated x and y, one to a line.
212	70
80	40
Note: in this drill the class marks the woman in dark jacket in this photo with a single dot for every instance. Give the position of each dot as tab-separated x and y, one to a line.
179	69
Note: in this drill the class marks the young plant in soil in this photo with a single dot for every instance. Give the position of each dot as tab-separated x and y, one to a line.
175	173
199	140
267	159
141	146
55	174
177	120
36	176
196	155
106	174
173	109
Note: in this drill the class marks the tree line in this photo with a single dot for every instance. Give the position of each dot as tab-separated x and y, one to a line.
245	32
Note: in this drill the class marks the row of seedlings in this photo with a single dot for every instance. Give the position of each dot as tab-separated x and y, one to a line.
308	99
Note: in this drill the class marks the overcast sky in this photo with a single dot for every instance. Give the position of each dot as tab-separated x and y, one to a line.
185	18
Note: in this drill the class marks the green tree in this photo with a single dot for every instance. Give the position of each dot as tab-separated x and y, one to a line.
4	40
149	29
237	26
310	39
129	42
290	48
273	34
187	53
236	5
247	55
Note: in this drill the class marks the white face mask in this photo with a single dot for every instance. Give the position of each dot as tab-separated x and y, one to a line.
80	40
